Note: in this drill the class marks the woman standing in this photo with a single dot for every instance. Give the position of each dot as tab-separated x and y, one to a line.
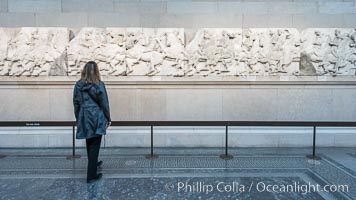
92	113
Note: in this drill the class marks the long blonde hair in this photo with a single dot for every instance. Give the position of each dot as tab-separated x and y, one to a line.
91	74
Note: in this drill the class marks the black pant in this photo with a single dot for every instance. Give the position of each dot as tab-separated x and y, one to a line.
93	147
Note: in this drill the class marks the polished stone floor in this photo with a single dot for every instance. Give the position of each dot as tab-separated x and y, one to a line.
181	173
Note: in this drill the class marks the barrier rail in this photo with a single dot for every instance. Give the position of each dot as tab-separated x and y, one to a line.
152	124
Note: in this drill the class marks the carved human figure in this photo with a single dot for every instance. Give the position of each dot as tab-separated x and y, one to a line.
225	51
249	54
18	57
114	51
172	49
197	52
347	52
342	52
132	57
290	53
88	45
4	45
352	58
152	54
315	46
143	48
264	51
51	45
38	51
206	59
276	50
332	58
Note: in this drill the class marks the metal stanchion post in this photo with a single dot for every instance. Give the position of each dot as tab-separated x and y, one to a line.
226	156
313	156
151	156
73	156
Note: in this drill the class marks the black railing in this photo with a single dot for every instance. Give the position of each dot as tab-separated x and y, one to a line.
152	124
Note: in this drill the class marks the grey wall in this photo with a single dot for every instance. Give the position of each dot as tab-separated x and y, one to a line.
179	13
131	100
52	100
186	101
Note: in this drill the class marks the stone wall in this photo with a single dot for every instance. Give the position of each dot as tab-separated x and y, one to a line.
199	98
181	14
322	98
247	97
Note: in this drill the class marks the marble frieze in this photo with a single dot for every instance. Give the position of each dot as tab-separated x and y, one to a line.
40	51
328	51
33	51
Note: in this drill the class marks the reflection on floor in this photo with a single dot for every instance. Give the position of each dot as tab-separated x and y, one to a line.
181	173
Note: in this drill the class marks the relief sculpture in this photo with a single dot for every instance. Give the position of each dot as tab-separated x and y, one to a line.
33	51
37	51
245	52
4	43
330	51
155	51
130	51
270	51
213	52
88	45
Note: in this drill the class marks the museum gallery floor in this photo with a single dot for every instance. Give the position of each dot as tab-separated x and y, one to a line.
180	173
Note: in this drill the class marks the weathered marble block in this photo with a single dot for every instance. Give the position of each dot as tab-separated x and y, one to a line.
131	51
244	52
87	45
328	51
155	51
4	44
36	51
270	51
214	52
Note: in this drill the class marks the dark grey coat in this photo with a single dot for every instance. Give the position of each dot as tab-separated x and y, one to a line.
91	109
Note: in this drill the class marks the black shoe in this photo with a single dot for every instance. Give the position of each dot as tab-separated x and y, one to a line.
100	163
98	176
